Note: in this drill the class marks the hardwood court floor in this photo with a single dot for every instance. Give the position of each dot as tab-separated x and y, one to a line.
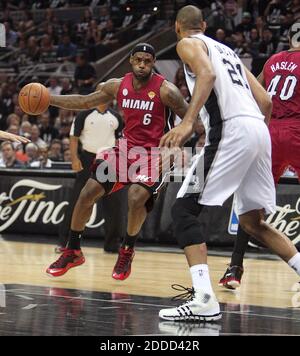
262	305
265	283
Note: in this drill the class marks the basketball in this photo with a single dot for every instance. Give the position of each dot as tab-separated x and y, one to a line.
34	98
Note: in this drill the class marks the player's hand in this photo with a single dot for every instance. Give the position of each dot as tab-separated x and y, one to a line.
177	136
76	165
14	138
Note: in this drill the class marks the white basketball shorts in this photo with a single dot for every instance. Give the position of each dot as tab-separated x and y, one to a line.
236	159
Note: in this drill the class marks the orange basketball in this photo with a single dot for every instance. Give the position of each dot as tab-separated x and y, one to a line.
34	98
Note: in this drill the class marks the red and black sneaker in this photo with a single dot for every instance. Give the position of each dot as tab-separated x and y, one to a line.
60	249
69	259
122	267
232	277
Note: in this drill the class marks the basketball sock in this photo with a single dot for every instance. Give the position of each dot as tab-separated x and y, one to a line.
294	263
201	279
74	240
240	247
129	241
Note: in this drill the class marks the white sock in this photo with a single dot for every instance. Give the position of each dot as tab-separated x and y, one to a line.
200	278
294	262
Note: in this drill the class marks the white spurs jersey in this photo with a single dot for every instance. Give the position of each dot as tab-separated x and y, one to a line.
231	95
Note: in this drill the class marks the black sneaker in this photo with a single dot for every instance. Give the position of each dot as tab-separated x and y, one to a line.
232	277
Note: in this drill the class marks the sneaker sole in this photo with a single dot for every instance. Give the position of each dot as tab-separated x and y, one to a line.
65	270
233	284
196	318
118	278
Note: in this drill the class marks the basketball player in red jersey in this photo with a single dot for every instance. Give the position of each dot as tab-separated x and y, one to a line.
281	78
143	96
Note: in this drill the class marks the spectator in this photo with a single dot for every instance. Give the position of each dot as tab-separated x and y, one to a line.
54	89
55	151
85	75
18	111
11	36
31	151
13	119
48	52
66	87
43	160
33	50
268	44
245	26
47	132
257	7
104	17
35	136
254	43
65	117
26	129
51	32
273	12
259	24
21	56
13	129
294	8
67	155
221	37
286	23
64	131
66	50
108	34
65	143
180	77
8	159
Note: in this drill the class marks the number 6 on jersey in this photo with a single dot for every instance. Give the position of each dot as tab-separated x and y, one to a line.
147	119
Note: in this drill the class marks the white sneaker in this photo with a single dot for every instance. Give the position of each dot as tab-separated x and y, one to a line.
201	307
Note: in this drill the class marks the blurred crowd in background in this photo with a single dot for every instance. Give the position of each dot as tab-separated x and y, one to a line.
254	29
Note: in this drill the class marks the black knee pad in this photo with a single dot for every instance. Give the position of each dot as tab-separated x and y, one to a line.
187	228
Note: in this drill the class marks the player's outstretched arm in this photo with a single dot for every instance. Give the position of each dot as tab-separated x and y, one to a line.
107	92
262	98
14	138
172	98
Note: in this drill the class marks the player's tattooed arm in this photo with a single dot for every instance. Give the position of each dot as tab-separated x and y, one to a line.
172	98
106	92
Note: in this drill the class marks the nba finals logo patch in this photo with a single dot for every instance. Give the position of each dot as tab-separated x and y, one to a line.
151	94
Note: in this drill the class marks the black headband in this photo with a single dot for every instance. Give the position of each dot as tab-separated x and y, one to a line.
143	47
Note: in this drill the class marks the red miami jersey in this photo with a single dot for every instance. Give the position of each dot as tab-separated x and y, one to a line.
143	111
282	79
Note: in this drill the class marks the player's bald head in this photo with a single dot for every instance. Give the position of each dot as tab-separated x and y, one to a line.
189	18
